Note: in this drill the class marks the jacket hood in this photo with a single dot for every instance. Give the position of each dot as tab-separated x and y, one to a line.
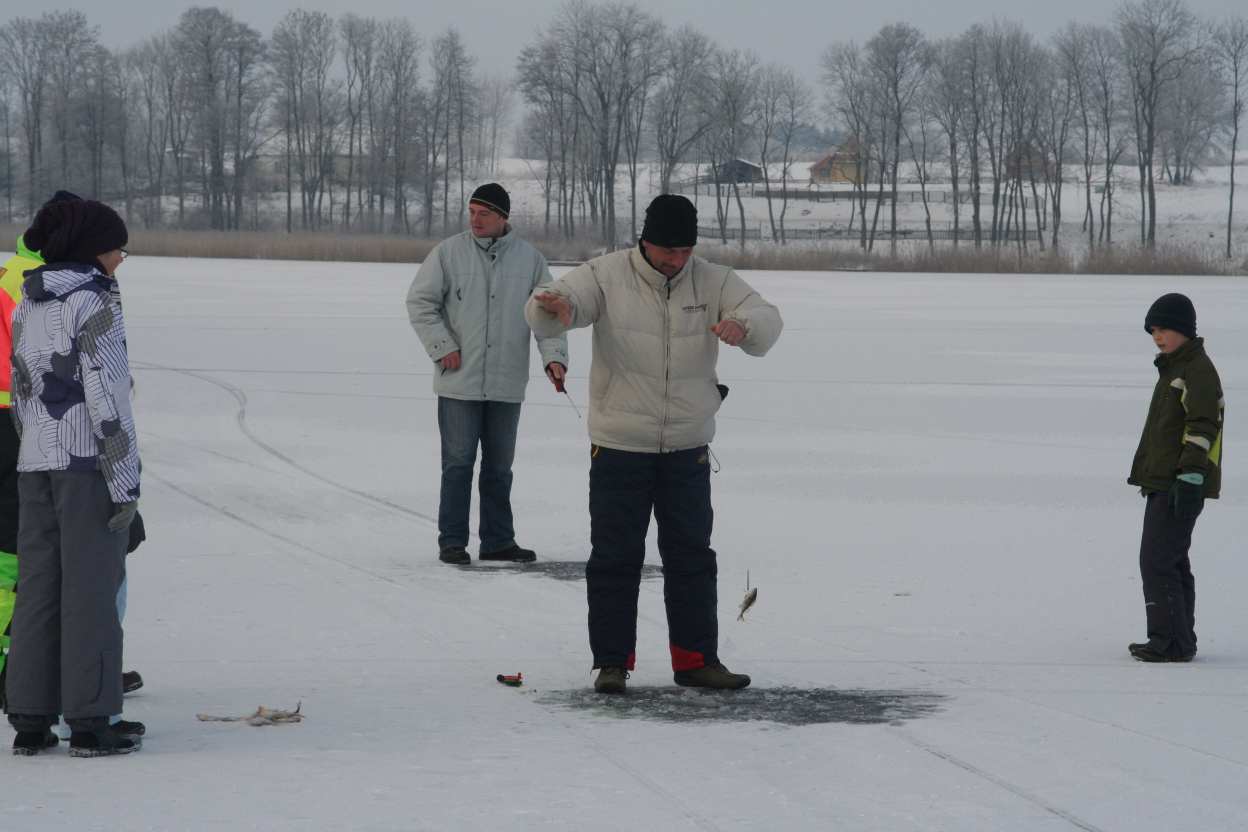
23	251
56	280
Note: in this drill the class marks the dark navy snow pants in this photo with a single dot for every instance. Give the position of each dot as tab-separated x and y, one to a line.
624	489
1166	573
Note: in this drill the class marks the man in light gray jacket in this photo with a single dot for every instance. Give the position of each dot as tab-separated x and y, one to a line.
467	306
659	315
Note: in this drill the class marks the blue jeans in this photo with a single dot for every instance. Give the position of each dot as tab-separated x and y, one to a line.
464	425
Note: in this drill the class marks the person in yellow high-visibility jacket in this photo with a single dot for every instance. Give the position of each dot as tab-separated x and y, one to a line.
12	273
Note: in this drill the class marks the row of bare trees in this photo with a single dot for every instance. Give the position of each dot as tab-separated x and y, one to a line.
361	123
354	122
1003	117
608	86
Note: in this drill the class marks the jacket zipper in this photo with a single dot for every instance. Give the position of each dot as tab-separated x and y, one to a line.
489	290
667	361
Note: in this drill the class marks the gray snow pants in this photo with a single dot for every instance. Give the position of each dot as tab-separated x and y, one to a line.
66	653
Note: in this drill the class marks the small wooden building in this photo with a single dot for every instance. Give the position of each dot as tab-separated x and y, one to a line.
740	171
840	167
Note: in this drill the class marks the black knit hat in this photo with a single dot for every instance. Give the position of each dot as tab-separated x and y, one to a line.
1172	311
64	196
75	231
492	196
671	222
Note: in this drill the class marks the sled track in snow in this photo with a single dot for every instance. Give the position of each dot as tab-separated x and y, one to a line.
1000	782
267	532
240	398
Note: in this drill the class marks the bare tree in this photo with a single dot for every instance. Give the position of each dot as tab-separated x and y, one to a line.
978	125
795	106
492	123
70	34
1190	119
1073	54
6	117
680	113
947	100
898	57
1057	91
1231	48
609	44
400	75
1158	46
853	104
359	48
772	81
646	69
734	81
144	69
303	50
26	52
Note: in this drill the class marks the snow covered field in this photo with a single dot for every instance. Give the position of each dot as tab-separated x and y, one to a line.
1188	215
925	479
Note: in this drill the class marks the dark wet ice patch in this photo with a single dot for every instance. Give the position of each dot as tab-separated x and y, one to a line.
559	570
785	706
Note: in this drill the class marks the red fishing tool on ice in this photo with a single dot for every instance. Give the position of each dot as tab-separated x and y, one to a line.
512	681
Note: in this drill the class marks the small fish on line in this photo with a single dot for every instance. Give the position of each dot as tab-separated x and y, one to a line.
750	598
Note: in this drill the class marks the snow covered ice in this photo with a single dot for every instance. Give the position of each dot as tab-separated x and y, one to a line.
925	479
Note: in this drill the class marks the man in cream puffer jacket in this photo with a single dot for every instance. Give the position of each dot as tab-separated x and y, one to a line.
659	315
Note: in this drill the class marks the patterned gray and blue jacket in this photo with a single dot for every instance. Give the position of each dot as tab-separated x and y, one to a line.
71	378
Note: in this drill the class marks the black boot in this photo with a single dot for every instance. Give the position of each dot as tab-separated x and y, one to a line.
127	728
94	738
512	554
1150	653
131	681
454	555
30	743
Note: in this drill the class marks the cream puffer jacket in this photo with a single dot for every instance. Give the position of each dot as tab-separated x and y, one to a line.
652	383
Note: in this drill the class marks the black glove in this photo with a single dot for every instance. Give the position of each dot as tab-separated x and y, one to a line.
121	519
1187	496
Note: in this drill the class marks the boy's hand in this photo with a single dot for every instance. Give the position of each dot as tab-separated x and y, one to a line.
556	305
451	361
1187	496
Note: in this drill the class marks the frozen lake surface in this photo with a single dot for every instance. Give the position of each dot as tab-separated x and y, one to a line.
925	479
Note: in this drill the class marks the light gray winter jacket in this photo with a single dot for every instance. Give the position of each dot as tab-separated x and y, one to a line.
469	296
652	383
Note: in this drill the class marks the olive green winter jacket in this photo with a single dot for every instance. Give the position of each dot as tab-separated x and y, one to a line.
1183	433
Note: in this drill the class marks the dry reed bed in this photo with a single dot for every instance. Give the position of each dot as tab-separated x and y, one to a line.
382	248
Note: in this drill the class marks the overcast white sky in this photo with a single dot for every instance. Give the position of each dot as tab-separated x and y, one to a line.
794	32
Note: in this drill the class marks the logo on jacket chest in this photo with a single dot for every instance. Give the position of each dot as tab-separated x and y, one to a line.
694	308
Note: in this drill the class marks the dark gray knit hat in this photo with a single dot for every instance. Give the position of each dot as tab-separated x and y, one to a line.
492	196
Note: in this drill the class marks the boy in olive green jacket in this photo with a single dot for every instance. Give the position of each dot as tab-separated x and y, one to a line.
1177	467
